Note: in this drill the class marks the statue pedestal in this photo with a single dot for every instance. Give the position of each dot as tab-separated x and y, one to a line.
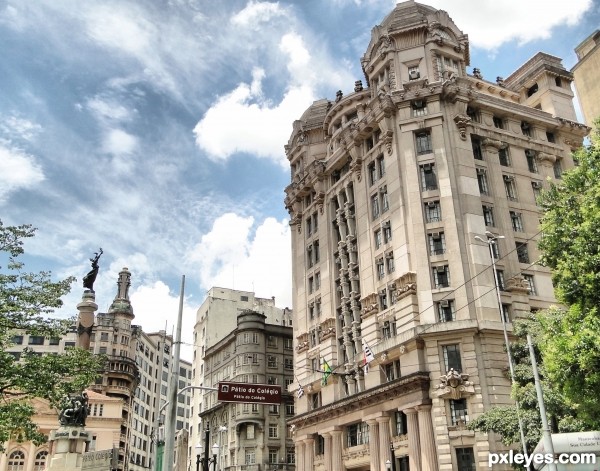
87	307
67	446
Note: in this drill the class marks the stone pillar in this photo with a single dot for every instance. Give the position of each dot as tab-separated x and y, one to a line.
300	454
384	441
374	444
309	455
87	307
30	457
68	447
4	457
327	458
414	448
426	438
336	451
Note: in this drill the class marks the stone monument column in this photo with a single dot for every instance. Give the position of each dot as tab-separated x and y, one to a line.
428	451
414	449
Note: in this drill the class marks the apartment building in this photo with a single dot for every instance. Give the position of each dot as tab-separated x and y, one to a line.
398	191
216	323
587	77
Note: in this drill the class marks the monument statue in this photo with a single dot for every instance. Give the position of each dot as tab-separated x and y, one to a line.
75	410
88	280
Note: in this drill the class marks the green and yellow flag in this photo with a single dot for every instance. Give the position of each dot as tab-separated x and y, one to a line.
326	372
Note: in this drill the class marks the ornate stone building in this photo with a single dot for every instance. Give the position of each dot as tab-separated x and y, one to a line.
587	77
390	186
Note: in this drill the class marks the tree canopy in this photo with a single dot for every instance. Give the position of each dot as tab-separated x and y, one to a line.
26	302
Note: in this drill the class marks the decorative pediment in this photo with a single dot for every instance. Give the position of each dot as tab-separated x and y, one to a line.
455	385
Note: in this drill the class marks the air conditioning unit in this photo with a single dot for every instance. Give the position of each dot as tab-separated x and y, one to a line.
386	224
414	74
435	235
480	171
431	204
444	303
508	178
418	104
536	185
440	269
529	153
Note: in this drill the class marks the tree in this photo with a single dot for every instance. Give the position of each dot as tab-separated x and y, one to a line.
570	245
26	302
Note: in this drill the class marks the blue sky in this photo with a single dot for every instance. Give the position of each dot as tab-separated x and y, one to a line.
155	129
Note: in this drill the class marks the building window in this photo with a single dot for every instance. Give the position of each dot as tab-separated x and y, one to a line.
383	304
385	201
56	340
551	137
388	330
446	311
465	459
531	162
36	340
498	122
380	268
532	90
437	243
290	456
488	215
289	408
557	166
413	73
522	252
390	261
482	181
536	187
516	221
273	431
428	178
271	361
526	128
16	461
250	456
403	463
273	458
288	363
104	337
319	445
509	186
271	341
500	278
433	211
378	238
381	166
17	340
314	400
451	355
476	145
357	434
473	113
311	284
530	281
423	139
372	173
419	108
401	423
375	206
458	411
288	343
441	276
503	156
387	232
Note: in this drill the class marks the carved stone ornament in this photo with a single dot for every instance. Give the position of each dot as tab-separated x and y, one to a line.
461	123
547	159
370	305
477	73
302	343
455	385
492	144
518	285
74	410
327	329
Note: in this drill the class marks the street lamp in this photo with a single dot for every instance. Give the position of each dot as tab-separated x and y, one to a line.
388	465
205	461
492	241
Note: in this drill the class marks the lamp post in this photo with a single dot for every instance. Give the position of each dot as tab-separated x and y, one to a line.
388	465
205	460
492	241
222	429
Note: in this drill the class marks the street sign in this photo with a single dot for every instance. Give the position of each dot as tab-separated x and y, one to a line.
103	460
249	393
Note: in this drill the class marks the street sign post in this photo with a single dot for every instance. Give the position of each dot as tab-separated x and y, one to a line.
249	393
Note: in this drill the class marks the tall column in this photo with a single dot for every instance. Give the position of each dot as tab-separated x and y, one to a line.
309	455
336	451
414	449
300	454
426	438
4	457
87	307
374	444
384	441
30	457
327	457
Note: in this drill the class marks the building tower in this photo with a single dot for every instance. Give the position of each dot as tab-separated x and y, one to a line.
113	336
390	185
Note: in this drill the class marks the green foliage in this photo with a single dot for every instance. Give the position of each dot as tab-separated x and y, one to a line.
26	300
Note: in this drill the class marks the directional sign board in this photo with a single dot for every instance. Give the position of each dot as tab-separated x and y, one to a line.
249	393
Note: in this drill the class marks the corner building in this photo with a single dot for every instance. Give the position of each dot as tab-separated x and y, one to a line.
390	186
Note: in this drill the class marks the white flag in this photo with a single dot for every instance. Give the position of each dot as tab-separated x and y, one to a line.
300	391
369	357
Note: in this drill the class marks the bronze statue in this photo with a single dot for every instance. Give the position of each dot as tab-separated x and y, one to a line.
88	280
75	410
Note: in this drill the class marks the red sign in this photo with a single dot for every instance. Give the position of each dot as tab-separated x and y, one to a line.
249	393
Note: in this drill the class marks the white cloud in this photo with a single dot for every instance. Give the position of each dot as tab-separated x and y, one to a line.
256	13
514	20
18	170
20	128
109	109
232	255
118	142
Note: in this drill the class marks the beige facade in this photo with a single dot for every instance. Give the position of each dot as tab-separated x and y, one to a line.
390	186
251	437
216	319
103	424
587	77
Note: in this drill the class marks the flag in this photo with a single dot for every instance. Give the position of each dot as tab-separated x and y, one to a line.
368	356
300	391
326	372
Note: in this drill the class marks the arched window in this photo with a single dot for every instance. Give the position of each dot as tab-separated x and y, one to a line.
16	461
40	461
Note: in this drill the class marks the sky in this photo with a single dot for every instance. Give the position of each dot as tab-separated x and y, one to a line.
155	129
